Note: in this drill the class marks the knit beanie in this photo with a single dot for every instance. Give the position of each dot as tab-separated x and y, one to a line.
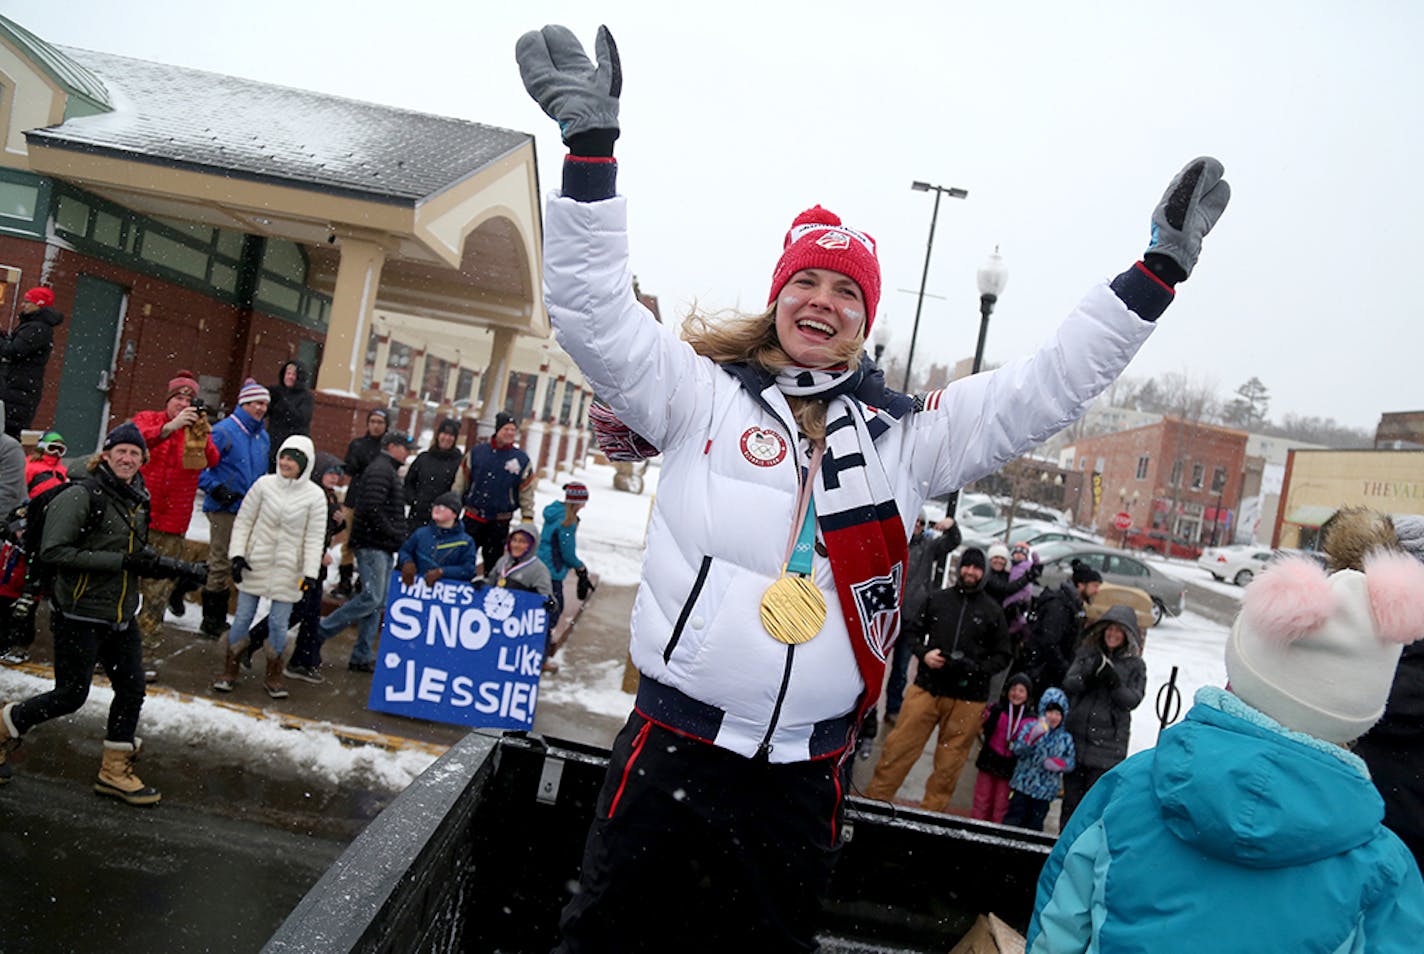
448	426
575	492
973	556
183	380
503	418
817	239
1019	679
252	391
449	499
126	433
1318	652
1082	573
295	455
998	550
43	297
1021	548
1410	530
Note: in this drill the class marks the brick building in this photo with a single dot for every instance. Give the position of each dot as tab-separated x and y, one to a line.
185	219
1400	430
1176	475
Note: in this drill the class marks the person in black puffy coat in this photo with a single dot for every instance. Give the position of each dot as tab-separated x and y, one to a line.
433	472
24	354
290	410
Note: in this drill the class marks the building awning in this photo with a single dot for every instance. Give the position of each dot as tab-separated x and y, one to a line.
1310	515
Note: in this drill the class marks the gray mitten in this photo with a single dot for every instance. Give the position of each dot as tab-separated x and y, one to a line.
1188	210
558	75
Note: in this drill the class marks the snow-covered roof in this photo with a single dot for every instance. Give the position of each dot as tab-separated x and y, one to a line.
175	116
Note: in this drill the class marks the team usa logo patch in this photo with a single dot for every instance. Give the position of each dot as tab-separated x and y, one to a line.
834	240
763	448
877	600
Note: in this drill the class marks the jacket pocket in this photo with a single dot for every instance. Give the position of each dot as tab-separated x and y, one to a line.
687	607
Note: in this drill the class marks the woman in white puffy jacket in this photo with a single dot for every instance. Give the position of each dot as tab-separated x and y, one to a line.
277	544
777	549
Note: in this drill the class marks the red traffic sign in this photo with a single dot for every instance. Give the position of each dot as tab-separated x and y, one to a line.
1122	520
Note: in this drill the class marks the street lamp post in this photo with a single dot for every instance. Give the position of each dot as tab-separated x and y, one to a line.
953	193
993	276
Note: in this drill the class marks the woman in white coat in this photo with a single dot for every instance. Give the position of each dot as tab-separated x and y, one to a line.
277	543
777	548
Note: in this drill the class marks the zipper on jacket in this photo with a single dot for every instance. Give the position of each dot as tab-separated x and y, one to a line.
687	608
764	749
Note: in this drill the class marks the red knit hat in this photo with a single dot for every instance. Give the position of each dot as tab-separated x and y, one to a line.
181	381
817	239
40	296
575	492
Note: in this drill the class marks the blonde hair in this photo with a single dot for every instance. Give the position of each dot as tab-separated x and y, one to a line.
733	337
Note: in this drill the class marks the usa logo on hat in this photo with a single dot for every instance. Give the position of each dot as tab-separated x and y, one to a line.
834	240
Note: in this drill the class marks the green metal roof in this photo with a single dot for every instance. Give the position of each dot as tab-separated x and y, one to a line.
86	94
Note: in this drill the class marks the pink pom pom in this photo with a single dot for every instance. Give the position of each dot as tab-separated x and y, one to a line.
1289	599
1395	582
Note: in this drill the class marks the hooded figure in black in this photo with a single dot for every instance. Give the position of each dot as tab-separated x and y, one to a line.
433	472
24	353
290	409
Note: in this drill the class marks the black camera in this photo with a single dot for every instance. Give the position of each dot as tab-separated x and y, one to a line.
199	405
177	569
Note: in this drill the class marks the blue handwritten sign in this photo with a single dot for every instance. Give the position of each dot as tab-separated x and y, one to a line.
454	653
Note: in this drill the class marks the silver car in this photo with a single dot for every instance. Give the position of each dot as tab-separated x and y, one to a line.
1169	594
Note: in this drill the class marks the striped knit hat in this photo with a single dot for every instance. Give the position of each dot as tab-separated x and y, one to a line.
252	391
575	492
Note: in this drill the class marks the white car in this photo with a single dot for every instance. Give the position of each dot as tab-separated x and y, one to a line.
1238	564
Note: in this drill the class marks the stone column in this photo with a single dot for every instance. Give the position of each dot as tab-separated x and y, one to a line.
358	276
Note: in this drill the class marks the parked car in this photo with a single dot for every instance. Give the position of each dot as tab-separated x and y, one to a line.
1239	564
1052	536
1115	594
1168	594
1161	542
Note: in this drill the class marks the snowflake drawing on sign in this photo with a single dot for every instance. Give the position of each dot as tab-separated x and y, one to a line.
499	602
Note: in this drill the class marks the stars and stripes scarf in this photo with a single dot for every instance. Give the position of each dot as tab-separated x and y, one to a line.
856	511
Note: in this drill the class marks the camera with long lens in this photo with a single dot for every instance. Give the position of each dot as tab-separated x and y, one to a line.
181	569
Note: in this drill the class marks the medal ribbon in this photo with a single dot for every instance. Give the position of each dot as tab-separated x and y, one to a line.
802	544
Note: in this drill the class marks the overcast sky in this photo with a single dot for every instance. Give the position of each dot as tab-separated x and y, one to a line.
1064	121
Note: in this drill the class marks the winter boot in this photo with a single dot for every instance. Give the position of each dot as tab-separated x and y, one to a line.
227	682
214	614
9	741
117	778
344	589
177	604
272	682
256	639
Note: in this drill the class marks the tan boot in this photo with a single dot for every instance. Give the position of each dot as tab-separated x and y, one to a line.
272	681
9	741
117	778
227	682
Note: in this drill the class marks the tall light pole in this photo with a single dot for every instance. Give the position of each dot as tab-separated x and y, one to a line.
953	193
993	276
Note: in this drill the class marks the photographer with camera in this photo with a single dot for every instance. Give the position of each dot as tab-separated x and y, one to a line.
180	445
95	537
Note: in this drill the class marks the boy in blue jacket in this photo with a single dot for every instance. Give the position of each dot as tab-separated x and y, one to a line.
440	550
1045	751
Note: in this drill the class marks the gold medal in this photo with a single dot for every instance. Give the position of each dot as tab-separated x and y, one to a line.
793	609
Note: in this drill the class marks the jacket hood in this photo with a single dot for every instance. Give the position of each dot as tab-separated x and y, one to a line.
1238	786
48	315
554	512
1054	695
303	444
301	384
325	464
1127	619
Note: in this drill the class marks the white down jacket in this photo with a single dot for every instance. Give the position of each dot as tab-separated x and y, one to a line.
280	530
728	488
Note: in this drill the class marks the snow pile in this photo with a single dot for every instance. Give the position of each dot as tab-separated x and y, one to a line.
261	744
596	688
613	527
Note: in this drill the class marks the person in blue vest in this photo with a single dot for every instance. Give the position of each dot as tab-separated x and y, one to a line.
496	478
242	443
440	550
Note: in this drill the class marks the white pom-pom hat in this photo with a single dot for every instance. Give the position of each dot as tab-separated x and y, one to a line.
1317	653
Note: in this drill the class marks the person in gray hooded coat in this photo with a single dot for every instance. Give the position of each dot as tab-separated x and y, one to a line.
1104	684
12	470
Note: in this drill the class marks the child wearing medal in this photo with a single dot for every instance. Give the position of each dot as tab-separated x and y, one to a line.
719	821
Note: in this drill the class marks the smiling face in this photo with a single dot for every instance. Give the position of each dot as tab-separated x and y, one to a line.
124	460
288	467
445	440
518	545
1114	636
1018	695
289	376
819	313
1054	717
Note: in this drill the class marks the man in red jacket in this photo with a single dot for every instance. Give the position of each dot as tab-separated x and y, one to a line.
174	436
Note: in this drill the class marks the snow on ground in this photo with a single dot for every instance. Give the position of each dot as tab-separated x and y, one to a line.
263	743
613	527
1196	646
1191	573
596	688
